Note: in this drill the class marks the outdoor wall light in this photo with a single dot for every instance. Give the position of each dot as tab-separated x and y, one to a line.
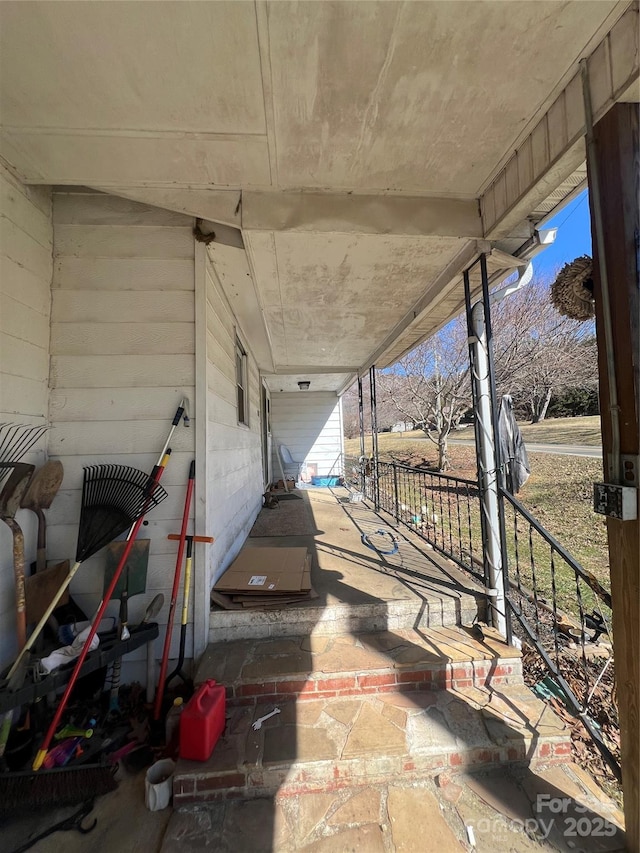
304	385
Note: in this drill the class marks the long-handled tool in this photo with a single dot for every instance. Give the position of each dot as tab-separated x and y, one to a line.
15	486
157	706
43	488
10	498
133	581
156	605
153	488
178	672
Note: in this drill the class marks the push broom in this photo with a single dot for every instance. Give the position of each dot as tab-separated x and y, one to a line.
153	494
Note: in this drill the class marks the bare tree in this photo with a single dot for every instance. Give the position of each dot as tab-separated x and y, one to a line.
537	351
430	386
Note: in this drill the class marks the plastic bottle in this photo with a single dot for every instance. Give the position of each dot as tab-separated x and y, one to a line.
172	721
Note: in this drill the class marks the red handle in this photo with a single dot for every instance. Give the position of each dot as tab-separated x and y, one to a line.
157	707
199	697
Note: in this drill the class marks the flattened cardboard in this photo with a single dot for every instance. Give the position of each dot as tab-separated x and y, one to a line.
267	571
265	602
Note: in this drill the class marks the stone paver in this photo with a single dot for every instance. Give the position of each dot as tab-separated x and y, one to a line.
311	811
365	838
416	821
373	734
362	807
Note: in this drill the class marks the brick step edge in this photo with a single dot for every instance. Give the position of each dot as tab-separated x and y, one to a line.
456	676
326	776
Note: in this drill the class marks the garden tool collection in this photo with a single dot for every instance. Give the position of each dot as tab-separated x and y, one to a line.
139	493
115	500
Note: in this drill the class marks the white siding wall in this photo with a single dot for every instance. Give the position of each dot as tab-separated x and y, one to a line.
309	424
122	355
234	456
26	238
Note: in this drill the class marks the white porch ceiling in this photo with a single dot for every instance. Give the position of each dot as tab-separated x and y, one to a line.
350	142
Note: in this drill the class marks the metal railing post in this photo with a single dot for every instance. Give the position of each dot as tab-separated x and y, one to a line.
361	425
374	435
395	491
485	410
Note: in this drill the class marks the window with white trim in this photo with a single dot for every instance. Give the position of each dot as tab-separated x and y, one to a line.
242	388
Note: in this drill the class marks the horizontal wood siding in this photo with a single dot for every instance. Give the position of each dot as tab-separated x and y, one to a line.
122	356
309	424
234	456
26	267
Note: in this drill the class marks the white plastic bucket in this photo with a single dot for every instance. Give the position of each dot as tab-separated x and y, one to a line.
158	785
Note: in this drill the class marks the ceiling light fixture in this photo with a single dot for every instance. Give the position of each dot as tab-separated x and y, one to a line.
304	384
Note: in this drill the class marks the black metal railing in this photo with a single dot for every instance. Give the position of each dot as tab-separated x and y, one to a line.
441	509
564	613
555	606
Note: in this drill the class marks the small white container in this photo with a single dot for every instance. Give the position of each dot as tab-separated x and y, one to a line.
158	785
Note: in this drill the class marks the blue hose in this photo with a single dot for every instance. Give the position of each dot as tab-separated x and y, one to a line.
366	541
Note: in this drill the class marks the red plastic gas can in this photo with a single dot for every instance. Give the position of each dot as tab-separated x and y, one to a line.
202	722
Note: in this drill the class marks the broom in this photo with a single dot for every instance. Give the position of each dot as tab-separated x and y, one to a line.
25	791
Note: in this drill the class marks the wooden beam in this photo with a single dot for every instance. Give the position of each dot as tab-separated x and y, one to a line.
362	213
618	168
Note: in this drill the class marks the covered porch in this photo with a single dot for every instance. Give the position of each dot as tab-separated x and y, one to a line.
228	202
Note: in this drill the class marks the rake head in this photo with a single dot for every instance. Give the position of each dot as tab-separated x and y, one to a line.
114	497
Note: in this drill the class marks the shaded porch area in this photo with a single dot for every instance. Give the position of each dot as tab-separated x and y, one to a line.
358	588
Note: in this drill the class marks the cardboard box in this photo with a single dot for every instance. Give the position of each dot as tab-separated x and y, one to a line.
268	571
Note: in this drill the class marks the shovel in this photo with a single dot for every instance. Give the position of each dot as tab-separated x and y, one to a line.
10	499
10	496
39	496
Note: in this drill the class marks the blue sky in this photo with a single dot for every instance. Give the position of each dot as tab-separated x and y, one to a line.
573	238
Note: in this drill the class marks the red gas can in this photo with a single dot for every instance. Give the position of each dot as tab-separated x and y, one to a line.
202	722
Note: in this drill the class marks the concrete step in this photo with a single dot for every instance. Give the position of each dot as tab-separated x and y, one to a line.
314	667
329	744
330	619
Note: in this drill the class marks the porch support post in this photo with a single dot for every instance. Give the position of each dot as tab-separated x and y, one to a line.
361	425
485	408
614	179
374	434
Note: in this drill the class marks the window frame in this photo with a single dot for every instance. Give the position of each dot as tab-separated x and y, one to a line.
242	382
